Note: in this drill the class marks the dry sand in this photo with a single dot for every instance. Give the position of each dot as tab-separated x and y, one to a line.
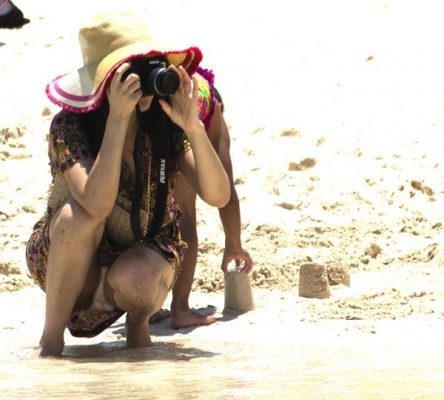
336	111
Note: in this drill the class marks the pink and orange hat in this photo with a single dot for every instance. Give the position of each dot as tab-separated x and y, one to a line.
106	42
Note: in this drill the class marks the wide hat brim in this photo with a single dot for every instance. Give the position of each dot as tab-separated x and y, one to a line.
84	90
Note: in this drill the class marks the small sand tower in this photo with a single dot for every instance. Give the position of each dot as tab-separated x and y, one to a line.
238	295
313	281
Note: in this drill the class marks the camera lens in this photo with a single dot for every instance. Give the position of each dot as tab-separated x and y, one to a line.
155	77
166	82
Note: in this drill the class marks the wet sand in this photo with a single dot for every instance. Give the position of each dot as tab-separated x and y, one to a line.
274	351
336	115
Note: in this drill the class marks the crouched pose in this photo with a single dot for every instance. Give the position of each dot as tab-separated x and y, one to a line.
109	241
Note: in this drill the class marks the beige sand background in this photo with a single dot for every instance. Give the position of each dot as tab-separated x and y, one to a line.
336	111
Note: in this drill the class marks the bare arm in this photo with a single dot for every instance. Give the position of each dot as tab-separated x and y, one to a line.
230	213
94	184
202	166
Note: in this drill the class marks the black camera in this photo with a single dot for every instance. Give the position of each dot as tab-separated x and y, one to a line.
155	77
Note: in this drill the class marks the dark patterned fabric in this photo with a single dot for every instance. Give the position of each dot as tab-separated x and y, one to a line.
68	146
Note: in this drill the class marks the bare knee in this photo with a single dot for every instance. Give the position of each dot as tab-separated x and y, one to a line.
140	280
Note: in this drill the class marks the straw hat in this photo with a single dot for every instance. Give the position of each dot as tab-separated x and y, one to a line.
106	42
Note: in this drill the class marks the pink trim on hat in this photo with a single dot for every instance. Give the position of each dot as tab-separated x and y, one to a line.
67	107
98	95
71	96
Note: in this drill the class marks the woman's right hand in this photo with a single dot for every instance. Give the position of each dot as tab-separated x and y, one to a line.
123	96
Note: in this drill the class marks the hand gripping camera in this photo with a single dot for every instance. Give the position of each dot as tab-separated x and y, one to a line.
155	77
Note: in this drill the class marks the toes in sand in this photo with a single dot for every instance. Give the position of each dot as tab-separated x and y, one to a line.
191	318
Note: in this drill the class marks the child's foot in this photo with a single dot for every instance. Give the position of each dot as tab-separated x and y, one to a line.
190	318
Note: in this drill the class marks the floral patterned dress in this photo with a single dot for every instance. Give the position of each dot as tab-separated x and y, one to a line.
68	146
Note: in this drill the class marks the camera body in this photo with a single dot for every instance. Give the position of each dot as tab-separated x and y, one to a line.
155	76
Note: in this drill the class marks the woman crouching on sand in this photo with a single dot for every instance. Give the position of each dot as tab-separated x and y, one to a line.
109	241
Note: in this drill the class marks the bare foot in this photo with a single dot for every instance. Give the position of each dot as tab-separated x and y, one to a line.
50	348
187	319
137	336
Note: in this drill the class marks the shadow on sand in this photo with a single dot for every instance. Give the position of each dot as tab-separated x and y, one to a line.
163	327
118	352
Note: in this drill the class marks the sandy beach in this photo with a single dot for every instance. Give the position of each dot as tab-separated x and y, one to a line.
336	112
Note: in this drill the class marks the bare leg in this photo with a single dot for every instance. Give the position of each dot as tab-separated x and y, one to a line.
181	314
138	283
74	237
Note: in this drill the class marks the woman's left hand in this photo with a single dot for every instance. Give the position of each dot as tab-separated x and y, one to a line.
183	109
